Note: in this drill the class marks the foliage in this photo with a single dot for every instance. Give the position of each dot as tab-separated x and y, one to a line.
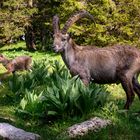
18	84
72	98
115	22
31	106
15	16
61	95
40	71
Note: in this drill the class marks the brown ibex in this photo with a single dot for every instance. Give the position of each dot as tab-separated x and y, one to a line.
18	64
106	65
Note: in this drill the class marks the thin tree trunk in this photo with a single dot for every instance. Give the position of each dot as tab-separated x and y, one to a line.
43	37
30	35
30	39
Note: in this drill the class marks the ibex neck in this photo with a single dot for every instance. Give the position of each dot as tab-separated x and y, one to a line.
69	53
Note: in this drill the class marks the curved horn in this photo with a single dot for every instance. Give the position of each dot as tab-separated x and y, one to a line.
76	16
56	24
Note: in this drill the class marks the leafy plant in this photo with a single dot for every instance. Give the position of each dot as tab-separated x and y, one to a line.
40	71
19	83
66	96
16	83
31	106
70	97
62	95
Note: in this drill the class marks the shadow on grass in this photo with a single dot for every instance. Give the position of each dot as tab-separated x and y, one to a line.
5	93
5	98
13	49
19	50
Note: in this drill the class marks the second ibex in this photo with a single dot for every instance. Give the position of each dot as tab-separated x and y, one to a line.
17	64
101	65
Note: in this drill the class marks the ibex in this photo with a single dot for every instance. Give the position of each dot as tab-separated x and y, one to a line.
105	65
18	64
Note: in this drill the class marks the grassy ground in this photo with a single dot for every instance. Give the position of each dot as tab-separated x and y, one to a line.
125	125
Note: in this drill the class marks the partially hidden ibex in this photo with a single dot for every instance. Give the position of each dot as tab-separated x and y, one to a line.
106	65
17	64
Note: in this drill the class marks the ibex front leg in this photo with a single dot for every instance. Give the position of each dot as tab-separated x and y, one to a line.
10	69
4	75
82	73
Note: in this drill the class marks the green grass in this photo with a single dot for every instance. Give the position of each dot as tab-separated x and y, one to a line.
125	125
20	49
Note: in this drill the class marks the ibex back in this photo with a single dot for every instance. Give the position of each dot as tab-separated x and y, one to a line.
110	64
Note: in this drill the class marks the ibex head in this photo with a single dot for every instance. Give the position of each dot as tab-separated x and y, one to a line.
2	58
61	37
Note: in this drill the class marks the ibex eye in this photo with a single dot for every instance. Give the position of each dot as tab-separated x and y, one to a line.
63	39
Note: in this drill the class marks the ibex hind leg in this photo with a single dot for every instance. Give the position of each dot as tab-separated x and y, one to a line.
136	85
128	87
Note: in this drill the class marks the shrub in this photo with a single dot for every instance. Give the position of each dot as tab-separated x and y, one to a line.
71	98
31	106
18	84
63	96
40	71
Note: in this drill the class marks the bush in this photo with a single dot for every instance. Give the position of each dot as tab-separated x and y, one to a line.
71	98
62	96
18	84
31	106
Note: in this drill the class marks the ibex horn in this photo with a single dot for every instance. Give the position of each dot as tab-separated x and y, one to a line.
76	16
56	24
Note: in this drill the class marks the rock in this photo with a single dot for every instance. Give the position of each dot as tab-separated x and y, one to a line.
9	132
94	124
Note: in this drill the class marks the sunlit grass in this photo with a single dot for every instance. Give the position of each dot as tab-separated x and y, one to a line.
18	49
17	46
116	90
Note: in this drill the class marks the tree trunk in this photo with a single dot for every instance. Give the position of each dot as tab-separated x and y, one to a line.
30	39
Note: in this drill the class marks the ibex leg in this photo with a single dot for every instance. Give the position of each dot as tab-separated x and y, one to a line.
126	82
136	85
4	75
82	73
